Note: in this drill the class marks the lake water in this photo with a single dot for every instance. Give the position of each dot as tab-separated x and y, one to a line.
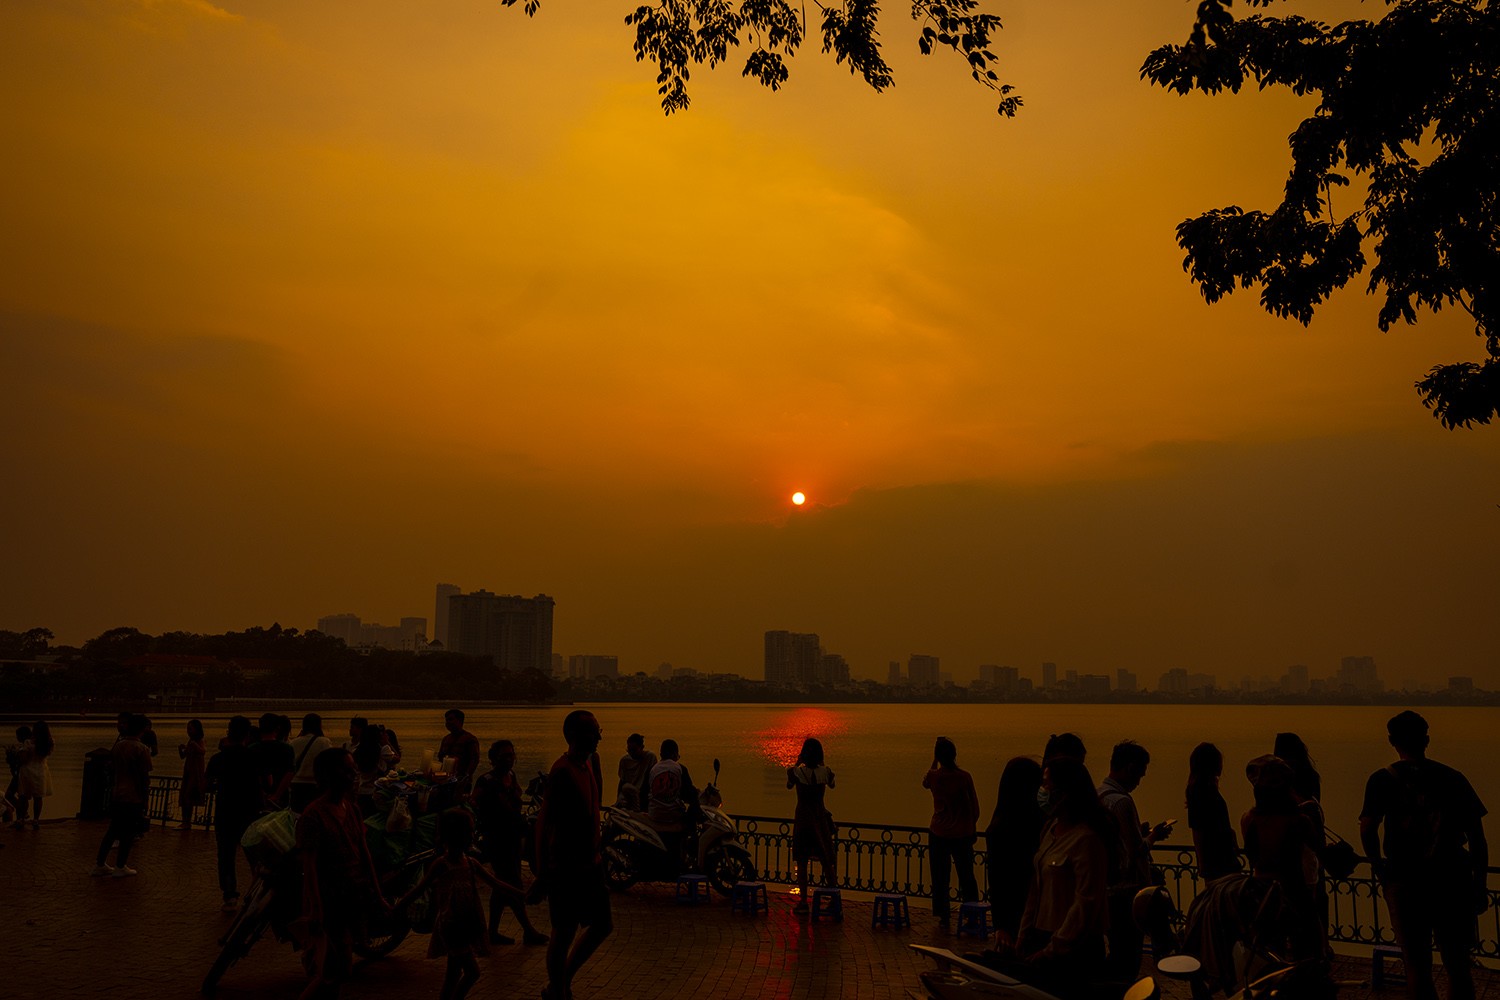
879	752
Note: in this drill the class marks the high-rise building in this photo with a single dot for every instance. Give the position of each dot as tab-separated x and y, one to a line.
1295	680
344	626
792	657
1358	673
514	632
1126	681
923	670
1049	676
895	679
591	666
440	619
832	669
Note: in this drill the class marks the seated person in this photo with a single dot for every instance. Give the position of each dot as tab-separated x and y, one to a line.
673	807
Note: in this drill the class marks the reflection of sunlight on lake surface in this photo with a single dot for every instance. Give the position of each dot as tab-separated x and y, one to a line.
782	740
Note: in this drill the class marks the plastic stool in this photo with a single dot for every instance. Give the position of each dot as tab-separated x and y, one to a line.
750	897
827	903
692	889
974	918
890	911
1378	955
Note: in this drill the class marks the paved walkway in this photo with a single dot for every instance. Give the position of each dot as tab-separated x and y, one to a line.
154	936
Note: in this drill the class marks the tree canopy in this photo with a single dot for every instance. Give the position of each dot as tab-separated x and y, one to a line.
677	35
1407	106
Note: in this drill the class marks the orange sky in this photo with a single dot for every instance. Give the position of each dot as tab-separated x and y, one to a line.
306	307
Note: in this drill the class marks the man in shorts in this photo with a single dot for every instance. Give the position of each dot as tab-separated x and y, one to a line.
1433	874
568	854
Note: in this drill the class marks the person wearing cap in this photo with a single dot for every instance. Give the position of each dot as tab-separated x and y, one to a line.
1434	866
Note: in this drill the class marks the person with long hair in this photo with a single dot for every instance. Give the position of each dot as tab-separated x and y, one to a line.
34	777
1061	939
1306	781
1214	840
194	754
310	742
372	757
1011	842
952	832
1277	836
812	823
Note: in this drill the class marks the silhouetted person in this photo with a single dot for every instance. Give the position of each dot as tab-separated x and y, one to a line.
458	914
339	883
953	830
496	801
1214	840
568	851
1061	939
634	789
1011	842
1306	781
812	823
275	761
194	754
34	778
462	746
674	799
1064	745
127	800
232	775
372	758
1278	836
15	756
1131	869
1433	872
305	749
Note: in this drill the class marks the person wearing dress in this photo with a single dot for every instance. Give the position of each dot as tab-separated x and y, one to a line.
34	777
812	823
194	790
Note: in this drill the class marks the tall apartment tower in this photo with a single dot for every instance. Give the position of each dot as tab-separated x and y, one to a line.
514	632
923	670
792	657
440	620
1049	676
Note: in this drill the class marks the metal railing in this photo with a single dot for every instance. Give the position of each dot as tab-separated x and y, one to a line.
878	857
882	857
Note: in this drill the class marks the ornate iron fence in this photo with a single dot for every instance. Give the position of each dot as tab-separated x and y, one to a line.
881	857
884	858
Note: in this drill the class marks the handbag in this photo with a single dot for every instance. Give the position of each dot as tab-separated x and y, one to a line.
1338	857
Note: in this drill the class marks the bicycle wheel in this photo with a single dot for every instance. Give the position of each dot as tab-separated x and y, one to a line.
248	926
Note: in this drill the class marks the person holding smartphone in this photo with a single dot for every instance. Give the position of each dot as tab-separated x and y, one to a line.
1130	855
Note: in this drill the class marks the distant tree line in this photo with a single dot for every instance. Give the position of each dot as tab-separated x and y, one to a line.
124	667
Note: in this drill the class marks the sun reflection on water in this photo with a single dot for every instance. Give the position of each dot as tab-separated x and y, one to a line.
781	741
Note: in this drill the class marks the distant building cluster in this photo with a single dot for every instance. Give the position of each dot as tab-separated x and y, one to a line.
411	634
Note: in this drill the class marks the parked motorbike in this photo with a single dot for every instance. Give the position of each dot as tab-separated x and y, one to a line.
635	851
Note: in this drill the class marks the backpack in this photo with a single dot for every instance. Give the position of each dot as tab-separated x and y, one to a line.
1414	820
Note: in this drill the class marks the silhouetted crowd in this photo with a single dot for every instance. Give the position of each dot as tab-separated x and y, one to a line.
1072	888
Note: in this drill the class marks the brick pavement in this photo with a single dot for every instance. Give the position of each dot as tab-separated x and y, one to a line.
153	936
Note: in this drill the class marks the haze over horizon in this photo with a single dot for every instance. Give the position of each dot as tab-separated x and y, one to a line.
308	307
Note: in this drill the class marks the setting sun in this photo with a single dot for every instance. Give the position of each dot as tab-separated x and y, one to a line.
799	499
